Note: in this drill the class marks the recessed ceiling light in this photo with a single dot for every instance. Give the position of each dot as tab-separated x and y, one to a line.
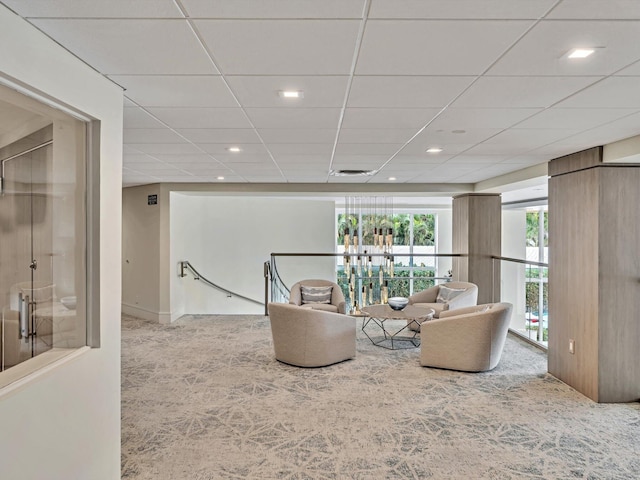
392	178
220	178
234	149
291	93
434	150
580	52
458	131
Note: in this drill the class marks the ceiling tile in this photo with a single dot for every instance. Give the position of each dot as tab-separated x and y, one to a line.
267	46
274	8
368	148
287	149
447	139
543	50
135	117
597	9
480	160
176	90
244	158
262	91
137	158
184	158
612	92
376	135
131	46
201	117
166	148
388	117
299	135
151	135
94	9
521	92
397	47
406	91
227	136
578	118
223	148
294	117
284	160
470	118
468	9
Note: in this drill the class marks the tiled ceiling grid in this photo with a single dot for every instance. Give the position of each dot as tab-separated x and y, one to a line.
488	81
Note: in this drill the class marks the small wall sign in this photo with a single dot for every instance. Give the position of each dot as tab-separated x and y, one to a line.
152	199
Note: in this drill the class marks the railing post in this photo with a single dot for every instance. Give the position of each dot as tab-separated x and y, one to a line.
266	288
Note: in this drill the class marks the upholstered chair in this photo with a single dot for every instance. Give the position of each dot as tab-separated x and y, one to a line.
446	296
336	302
469	339
305	337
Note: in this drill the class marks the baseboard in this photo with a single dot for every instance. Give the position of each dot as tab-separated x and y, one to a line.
137	311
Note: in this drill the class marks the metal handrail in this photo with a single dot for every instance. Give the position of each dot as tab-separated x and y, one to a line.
185	265
518	260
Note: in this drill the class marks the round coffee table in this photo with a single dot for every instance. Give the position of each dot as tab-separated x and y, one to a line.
394	337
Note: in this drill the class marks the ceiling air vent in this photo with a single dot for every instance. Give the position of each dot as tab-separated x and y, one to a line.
352	173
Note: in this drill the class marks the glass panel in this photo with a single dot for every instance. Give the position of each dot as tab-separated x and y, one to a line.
42	230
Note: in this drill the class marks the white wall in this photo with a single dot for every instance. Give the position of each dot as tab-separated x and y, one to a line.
228	239
512	280
66	424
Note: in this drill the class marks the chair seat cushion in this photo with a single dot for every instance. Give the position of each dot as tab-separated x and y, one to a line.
320	306
437	307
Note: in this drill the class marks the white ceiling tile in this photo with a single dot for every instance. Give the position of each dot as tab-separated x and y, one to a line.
151	135
479	160
447	139
288	149
226	136
137	158
166	148
612	92
223	148
499	149
284	160
419	146
244	158
376	135
388	117
578	118
409	161
405	91
531	137
176	90
597	9
543	50
469	9
633	70
294	117
349	179
521	92
131	46
201	117
299	178
94	9
397	47
368	148
469	118
281	47
299	135
274	8
135	117
264	178
184	158
262	91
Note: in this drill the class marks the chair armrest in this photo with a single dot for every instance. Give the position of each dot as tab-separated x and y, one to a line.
463	311
295	295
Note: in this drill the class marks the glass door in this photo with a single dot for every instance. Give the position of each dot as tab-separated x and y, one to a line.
27	289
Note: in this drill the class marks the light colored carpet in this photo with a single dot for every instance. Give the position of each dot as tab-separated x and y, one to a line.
205	399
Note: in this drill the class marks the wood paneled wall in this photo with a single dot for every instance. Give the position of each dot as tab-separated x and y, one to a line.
477	225
594	276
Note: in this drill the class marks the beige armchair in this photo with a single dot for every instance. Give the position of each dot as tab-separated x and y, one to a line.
469	339
337	303
311	338
429	297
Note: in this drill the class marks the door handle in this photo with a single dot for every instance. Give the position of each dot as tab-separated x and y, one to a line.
23	316
34	264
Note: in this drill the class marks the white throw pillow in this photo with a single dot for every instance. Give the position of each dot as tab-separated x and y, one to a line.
446	294
316	294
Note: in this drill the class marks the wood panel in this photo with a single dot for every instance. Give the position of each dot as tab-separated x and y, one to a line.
576	161
477	220
619	277
573	279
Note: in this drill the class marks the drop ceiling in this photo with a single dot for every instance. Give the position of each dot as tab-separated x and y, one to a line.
487	81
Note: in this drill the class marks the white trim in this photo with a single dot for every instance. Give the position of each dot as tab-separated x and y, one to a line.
146	314
26	372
